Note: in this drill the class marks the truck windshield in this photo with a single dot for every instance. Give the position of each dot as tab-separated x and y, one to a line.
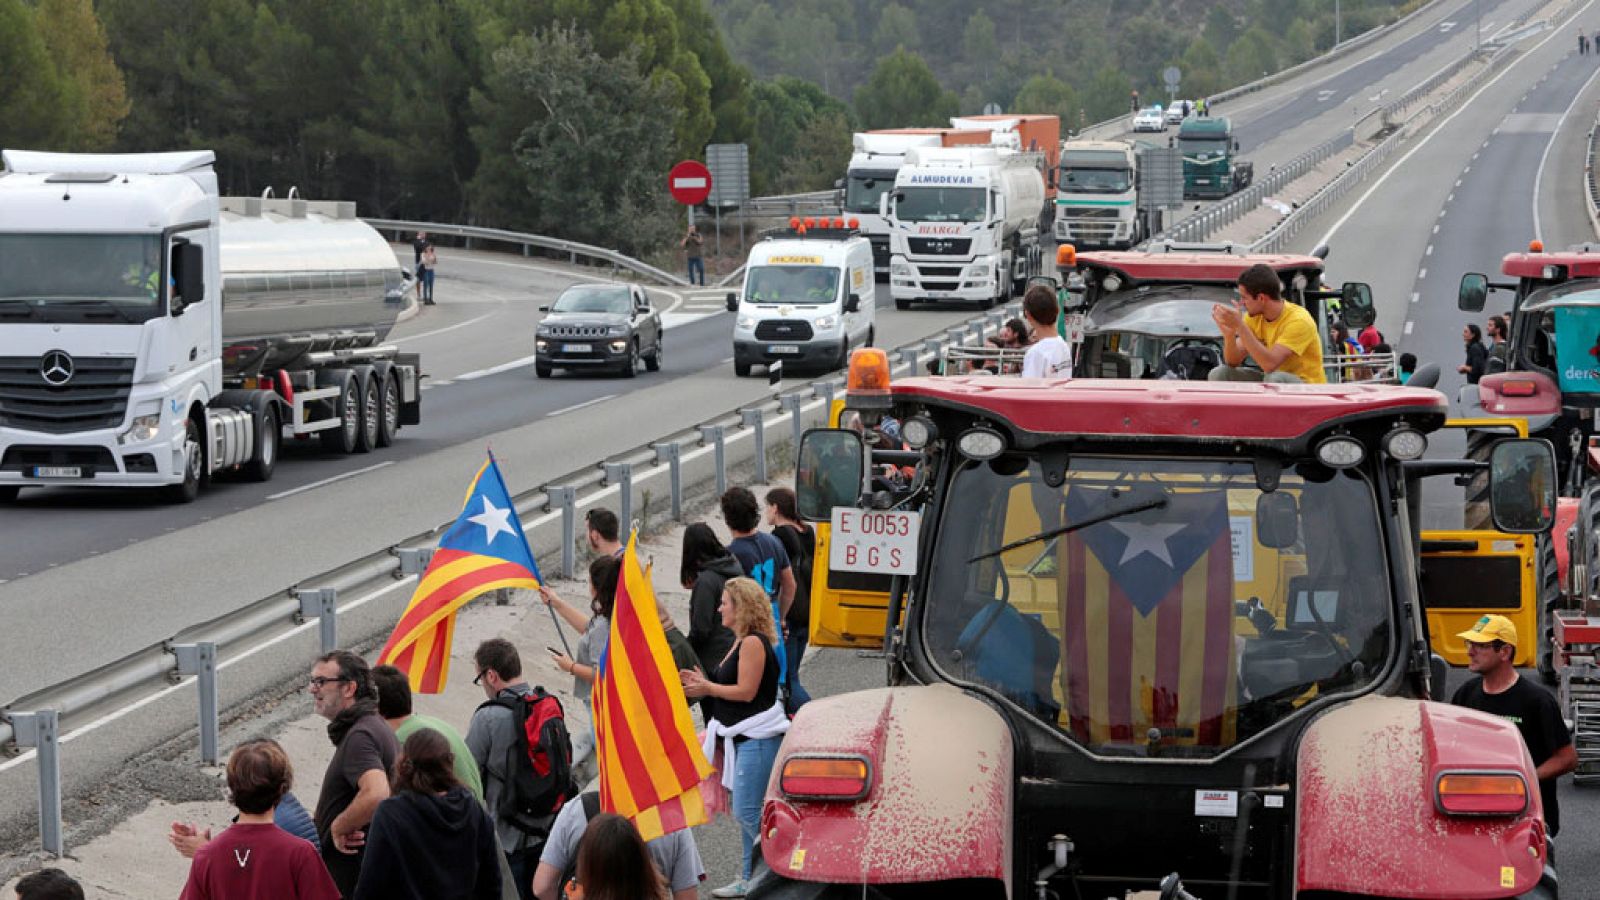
114	278
799	285
863	189
1096	181
1203	146
940	204
1182	624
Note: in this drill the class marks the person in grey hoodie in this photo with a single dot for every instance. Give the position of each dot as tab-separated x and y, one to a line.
430	840
706	567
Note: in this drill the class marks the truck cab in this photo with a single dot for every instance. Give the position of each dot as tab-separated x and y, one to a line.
1093	691
1097	196
808	299
876	157
1211	166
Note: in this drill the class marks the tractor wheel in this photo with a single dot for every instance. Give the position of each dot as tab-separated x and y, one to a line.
1549	598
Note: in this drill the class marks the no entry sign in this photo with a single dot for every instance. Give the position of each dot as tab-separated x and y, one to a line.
690	182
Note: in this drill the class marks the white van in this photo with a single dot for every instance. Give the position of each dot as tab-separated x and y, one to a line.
808	300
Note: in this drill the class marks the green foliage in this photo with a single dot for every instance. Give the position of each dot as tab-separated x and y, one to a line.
1202	68
897	27
782	111
59	88
1047	94
1252	55
902	93
30	91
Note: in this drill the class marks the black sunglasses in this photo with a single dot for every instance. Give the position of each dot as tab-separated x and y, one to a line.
481	673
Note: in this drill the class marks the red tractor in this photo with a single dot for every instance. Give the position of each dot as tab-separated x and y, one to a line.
1156	637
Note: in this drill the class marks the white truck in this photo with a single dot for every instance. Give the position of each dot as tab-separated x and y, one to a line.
154	334
964	225
1097	196
877	157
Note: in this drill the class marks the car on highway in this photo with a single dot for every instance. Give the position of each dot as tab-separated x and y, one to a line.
1149	119
1175	114
607	327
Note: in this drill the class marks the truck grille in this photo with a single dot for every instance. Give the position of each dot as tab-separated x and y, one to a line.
940	246
1091	230
941	285
940	271
583	331
23	458
95	396
1091	212
783	330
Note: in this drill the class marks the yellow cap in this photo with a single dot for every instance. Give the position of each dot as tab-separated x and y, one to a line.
1489	629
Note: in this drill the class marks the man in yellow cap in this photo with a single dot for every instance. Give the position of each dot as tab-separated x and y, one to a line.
1491	645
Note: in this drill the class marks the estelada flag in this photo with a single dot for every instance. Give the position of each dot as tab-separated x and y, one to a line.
484	550
1148	621
650	764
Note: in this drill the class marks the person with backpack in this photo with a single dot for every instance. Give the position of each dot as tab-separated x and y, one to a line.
800	542
430	840
676	856
763	558
706	566
525	780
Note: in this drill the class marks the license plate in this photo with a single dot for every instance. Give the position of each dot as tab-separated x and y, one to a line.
574	348
57	472
1202	181
785	349
883	543
938	295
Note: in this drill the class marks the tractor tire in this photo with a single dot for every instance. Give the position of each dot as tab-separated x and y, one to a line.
1550	599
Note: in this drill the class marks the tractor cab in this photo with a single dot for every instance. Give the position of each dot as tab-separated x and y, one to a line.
1148	314
1141	633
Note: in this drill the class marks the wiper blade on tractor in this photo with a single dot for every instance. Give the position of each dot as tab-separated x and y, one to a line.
1106	516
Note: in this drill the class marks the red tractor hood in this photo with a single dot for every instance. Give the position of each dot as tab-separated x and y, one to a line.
939	807
1367	822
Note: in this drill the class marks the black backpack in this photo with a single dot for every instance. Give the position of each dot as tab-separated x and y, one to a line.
591	808
538	764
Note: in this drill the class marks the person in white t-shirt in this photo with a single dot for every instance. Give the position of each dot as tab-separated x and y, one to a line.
1049	356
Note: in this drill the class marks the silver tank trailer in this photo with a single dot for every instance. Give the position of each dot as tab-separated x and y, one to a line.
301	277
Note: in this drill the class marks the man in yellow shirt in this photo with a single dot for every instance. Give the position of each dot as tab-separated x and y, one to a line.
1280	336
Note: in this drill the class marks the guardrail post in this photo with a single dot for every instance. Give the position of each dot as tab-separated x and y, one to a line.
824	389
414	561
41	731
671	453
752	418
908	357
791	402
322	604
566	498
622	474
200	660
717	437
975	329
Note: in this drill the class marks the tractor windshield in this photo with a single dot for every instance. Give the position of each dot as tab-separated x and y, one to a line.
1193	615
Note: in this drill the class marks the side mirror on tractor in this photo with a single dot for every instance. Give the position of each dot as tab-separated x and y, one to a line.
829	473
1473	293
1355	304
1522	485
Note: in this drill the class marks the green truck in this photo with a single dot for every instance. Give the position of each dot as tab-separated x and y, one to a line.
1211	164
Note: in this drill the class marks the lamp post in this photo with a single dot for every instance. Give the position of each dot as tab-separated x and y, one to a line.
1338	24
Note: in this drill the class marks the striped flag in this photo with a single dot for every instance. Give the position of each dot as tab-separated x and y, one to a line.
1148	621
484	550
650	764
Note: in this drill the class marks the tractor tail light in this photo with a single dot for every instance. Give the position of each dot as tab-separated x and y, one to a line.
826	777
1518	388
1481	794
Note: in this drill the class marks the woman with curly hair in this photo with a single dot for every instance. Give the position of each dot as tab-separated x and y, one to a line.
746	715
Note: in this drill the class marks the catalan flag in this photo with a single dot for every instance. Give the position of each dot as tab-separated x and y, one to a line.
484	550
650	764
1148	621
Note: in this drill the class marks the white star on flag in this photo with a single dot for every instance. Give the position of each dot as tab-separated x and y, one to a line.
1151	539
493	519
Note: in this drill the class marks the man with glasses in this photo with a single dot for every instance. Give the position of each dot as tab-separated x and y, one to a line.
363	761
492	736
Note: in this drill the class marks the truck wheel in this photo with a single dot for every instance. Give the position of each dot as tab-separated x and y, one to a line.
388	410
346	408
652	363
741	369
268	435
370	413
843	359
194	467
631	367
986	303
902	304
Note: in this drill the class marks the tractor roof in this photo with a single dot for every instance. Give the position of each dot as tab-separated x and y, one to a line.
1573	263
1222	268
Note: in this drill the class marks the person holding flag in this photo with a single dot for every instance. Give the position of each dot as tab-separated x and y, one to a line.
486	549
650	766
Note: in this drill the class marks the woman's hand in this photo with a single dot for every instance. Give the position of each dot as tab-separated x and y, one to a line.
694	683
548	596
564	662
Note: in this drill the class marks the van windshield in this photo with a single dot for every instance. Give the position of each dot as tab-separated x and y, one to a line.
1193	616
940	204
80	277
798	285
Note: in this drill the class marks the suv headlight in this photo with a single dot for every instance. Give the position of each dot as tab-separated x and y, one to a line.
619	346
826	322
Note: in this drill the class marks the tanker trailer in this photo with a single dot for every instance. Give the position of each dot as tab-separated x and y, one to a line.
156	334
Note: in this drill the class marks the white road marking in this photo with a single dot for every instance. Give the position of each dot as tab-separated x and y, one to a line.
1415	296
472	321
1429	251
1451	198
496	370
577	406
1422	274
728	360
1408	327
327	481
570	276
1436	229
1538	177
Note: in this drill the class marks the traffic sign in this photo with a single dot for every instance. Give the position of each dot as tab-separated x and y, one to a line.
1172	76
991	109
690	182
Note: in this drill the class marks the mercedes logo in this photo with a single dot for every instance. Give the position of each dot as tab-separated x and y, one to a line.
56	368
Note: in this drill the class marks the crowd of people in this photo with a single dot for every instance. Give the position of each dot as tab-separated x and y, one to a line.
411	808
1479	354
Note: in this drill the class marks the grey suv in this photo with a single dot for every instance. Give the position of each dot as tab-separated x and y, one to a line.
598	326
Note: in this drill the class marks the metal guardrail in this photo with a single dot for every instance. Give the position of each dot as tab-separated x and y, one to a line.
573	249
1592	200
672	467
792	204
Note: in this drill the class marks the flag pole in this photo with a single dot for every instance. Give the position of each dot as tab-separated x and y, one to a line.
560	632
